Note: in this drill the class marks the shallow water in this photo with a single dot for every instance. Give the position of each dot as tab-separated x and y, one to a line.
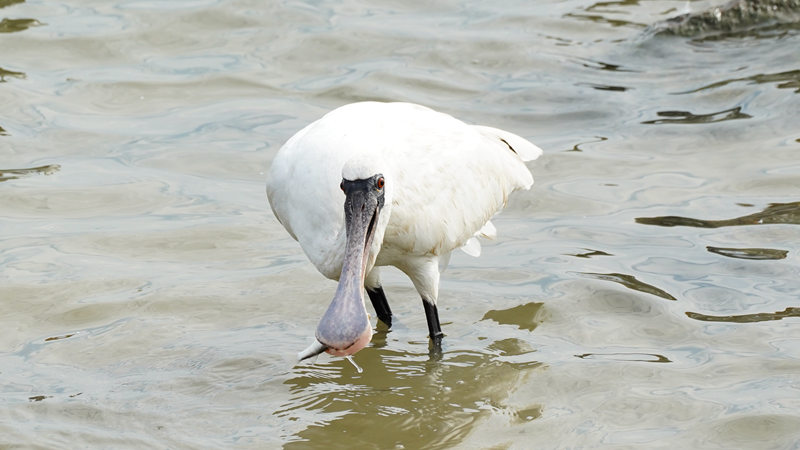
643	293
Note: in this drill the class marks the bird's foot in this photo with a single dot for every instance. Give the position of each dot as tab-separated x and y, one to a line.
386	320
435	347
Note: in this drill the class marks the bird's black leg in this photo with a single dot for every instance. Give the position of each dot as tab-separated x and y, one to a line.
381	305
434	328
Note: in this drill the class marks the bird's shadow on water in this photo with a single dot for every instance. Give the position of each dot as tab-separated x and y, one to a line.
406	395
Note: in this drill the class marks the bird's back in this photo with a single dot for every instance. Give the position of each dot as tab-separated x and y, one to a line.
448	178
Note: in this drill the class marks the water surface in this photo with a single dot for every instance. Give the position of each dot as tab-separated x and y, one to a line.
643	293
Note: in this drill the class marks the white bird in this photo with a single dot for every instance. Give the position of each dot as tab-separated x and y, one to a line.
390	184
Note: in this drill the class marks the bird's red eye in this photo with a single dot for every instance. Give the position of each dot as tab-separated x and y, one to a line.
341	185
379	183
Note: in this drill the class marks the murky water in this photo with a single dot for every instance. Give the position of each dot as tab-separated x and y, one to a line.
644	293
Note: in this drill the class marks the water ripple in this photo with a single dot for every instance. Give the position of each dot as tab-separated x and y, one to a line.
147	280
630	282
10	73
749	253
787	213
686	117
785	80
15	25
13	174
747	318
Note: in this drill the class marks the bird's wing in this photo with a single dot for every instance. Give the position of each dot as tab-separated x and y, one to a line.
521	146
303	192
473	246
451	177
488	231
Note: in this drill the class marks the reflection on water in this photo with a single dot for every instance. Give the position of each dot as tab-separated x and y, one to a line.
155	301
58	338
577	147
407	399
786	80
4	3
749	253
590	253
736	18
747	318
523	316
600	65
12	174
630	282
787	213
9	73
605	87
686	117
640	357
13	25
599	18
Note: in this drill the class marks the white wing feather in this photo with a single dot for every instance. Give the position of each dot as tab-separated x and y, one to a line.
445	180
521	146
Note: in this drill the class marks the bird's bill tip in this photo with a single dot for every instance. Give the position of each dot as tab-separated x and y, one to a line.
318	347
358	343
314	349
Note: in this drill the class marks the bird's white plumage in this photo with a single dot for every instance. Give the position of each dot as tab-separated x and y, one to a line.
444	181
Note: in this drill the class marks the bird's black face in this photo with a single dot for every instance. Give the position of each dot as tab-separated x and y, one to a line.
362	205
370	186
363	202
345	327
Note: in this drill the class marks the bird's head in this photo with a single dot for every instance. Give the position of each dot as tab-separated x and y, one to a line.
345	327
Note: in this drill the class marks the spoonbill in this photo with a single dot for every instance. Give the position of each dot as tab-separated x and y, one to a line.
375	184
